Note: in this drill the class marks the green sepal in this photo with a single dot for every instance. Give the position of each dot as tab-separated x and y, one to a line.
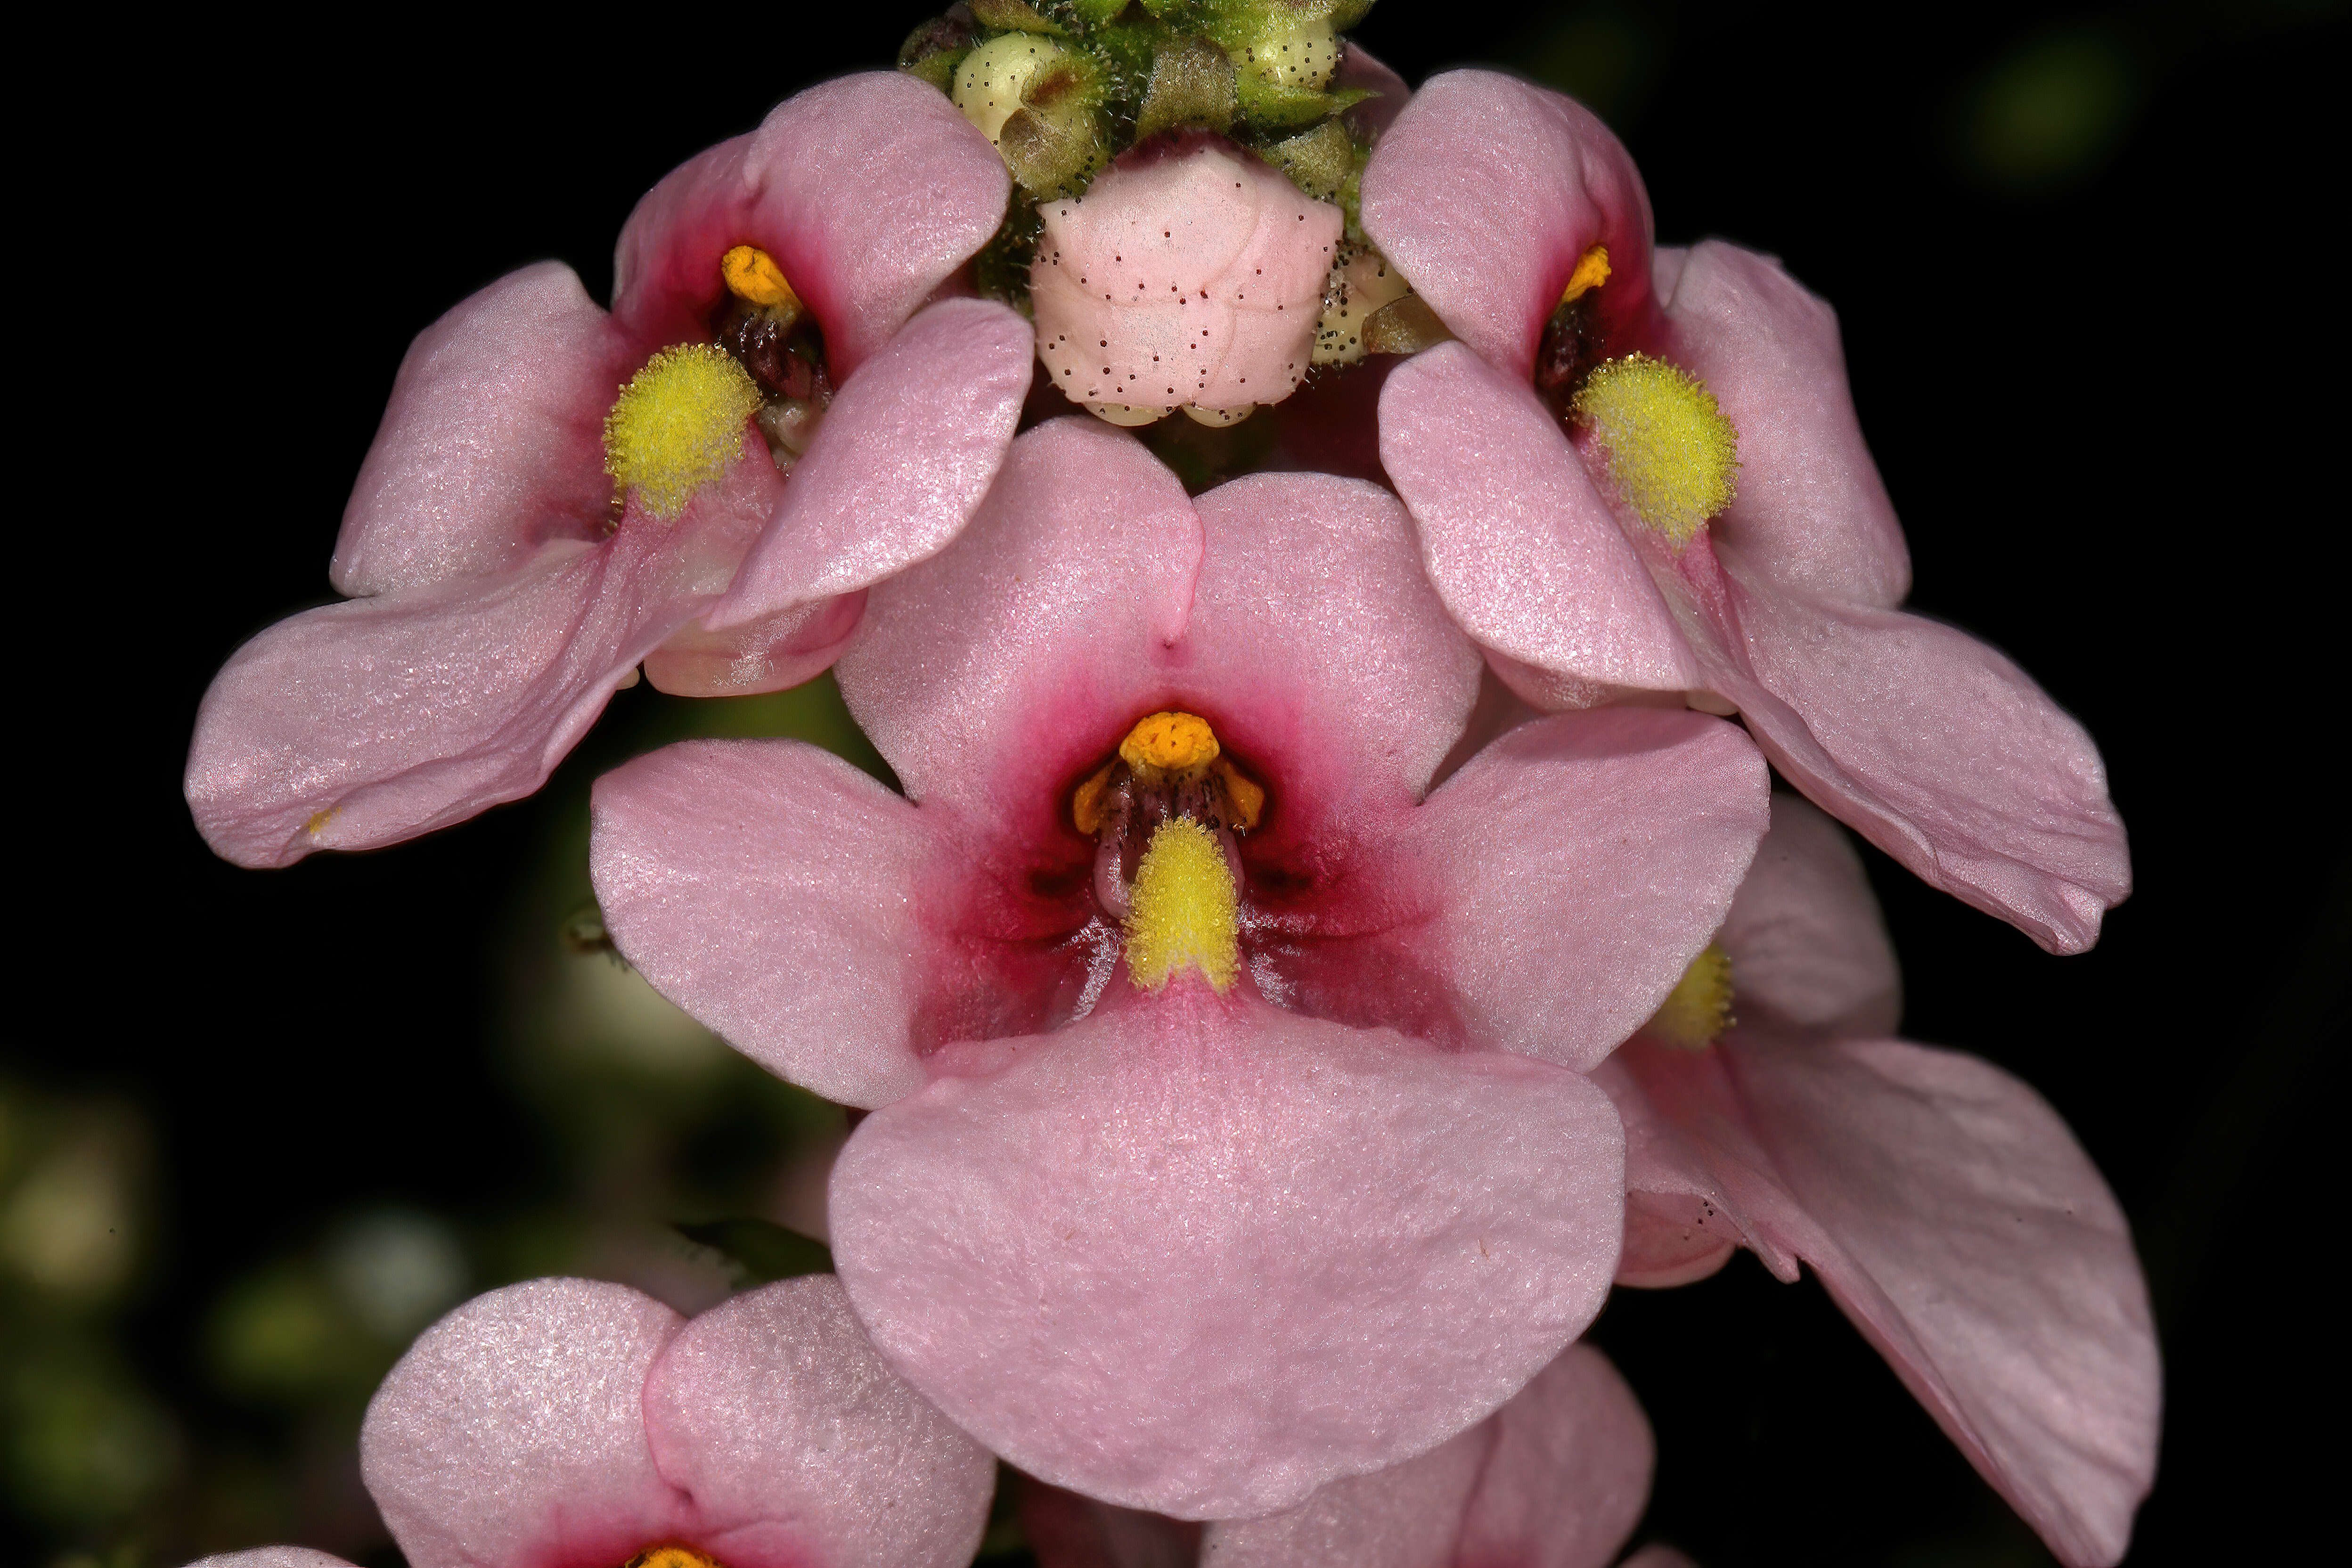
938	69
1319	162
1095	13
1013	17
1349	13
1192	84
1271	109
762	1250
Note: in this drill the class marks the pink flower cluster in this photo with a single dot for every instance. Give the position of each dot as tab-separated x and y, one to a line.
1285	1263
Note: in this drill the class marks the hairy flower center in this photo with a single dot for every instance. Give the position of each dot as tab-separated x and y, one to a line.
1672	454
1163	813
1698	1010
672	1557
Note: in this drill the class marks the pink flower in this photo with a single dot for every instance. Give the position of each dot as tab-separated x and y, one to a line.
1488	193
501	595
1198	1242
1556	1479
1945	1207
573	1424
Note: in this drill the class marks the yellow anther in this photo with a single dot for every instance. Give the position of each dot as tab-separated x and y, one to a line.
319	820
1183	911
752	274
671	1557
1086	802
679	425
1592	272
1674	455
1698	1009
1169	743
1246	794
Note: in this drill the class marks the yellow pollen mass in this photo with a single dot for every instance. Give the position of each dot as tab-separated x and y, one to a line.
1672	454
1592	272
752	274
671	1557
1698	1009
679	425
1183	911
1169	743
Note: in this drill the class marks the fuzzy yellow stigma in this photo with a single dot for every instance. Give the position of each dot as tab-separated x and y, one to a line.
1592	272
679	425
1672	454
1169	743
1184	910
752	275
1698	1009
671	1557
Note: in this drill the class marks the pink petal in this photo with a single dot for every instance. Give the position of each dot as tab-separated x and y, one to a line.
1804	937
1693	1159
1812	513
1935	748
513	1432
1318	649
904	455
1569	1474
1486	192
370	722
1358	68
774	652
1522	548
1160	1256
1959	1225
271	1557
1407	1516
868	191
766	887
799	1446
994	674
1547	898
493	442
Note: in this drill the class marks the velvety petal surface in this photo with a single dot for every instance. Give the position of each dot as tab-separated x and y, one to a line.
513	1432
1407	1516
1547	898
1811	512
769	888
272	1557
493	442
370	721
774	652
1486	190
1804	935
1521	546
1934	747
868	192
1955	1218
905	452
1198	1256
798	1446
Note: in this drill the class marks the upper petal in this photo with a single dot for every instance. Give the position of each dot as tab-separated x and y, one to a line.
1812	511
1804	935
905	452
1486	190
513	1432
798	1445
1522	548
768	887
271	1557
366	723
1934	747
493	441
868	191
1202	1257
1958	1221
1547	898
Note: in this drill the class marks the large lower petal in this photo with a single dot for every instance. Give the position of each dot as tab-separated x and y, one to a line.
1202	1257
493	442
1934	747
1545	901
904	455
1811	512
513	1432
799	1446
374	720
1804	936
1955	1218
1484	192
868	191
1522	548
769	889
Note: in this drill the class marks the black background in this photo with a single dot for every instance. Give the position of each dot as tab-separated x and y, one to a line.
2101	395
